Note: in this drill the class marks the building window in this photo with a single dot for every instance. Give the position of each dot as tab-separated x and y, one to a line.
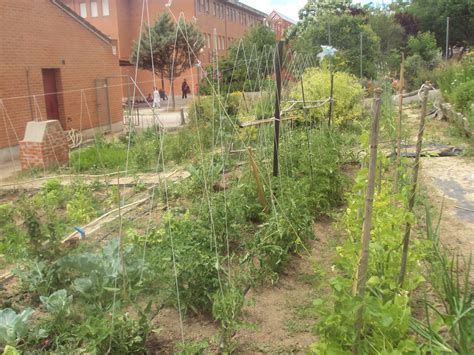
215	9
105	8
83	9
207	5
94	9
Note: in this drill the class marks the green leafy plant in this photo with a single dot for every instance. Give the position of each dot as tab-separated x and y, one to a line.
348	94
14	326
453	288
58	303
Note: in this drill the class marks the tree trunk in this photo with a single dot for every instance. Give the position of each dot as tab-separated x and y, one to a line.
173	101
162	80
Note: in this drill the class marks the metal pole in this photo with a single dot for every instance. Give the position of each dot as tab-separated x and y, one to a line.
276	141
447	39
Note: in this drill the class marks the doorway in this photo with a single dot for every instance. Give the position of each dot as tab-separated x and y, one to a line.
50	87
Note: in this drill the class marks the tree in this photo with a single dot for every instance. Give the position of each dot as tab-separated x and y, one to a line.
390	32
317	9
174	48
247	63
432	16
392	39
343	32
424	56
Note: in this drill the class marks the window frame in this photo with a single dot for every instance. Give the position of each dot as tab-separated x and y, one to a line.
105	8
83	9
94	6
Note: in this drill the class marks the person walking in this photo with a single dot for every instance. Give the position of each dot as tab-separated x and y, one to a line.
185	89
156	98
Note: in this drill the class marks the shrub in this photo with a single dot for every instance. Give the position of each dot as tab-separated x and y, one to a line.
348	94
424	56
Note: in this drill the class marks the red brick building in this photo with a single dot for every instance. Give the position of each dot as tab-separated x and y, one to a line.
279	23
54	65
121	19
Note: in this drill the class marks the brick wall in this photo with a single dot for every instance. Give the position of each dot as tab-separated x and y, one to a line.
231	25
44	150
38	35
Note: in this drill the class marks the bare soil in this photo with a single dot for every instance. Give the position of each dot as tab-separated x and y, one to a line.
278	319
449	182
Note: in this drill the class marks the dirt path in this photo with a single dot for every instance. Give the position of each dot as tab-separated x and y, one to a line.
449	182
278	318
283	315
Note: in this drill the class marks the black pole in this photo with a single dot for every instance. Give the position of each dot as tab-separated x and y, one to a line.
331	100
276	141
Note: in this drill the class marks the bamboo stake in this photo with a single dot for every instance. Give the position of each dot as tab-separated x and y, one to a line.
367	226
261	194
399	122
308	142
411	202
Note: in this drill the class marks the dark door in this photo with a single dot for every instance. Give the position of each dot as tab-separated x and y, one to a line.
50	93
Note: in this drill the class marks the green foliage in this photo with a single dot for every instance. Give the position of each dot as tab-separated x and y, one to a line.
167	46
432	17
348	95
12	242
247	64
392	39
14	326
390	32
226	309
211	109
424	45
58	303
190	243
345	37
37	224
450	279
457	85
424	56
387	309
101	155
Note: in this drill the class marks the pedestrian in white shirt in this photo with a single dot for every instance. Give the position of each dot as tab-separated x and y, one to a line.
156	98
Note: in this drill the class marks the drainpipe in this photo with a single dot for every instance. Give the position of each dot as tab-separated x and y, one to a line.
29	92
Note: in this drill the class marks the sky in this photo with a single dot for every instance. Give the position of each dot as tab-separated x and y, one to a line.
290	8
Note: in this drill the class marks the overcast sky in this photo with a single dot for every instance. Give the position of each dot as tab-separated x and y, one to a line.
290	8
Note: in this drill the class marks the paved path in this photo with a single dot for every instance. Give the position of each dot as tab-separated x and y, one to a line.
449	182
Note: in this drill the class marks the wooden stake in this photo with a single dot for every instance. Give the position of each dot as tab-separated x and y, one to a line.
367	226
331	102
399	122
411	202
305	116
261	194
121	244
276	139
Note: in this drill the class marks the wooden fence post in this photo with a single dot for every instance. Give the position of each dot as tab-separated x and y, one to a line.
276	139
367	226
411	202
261	193
331	98
399	122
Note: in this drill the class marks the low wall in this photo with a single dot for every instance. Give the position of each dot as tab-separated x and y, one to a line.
457	118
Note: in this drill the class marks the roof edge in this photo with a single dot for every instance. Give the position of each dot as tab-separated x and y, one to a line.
66	9
247	7
284	17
